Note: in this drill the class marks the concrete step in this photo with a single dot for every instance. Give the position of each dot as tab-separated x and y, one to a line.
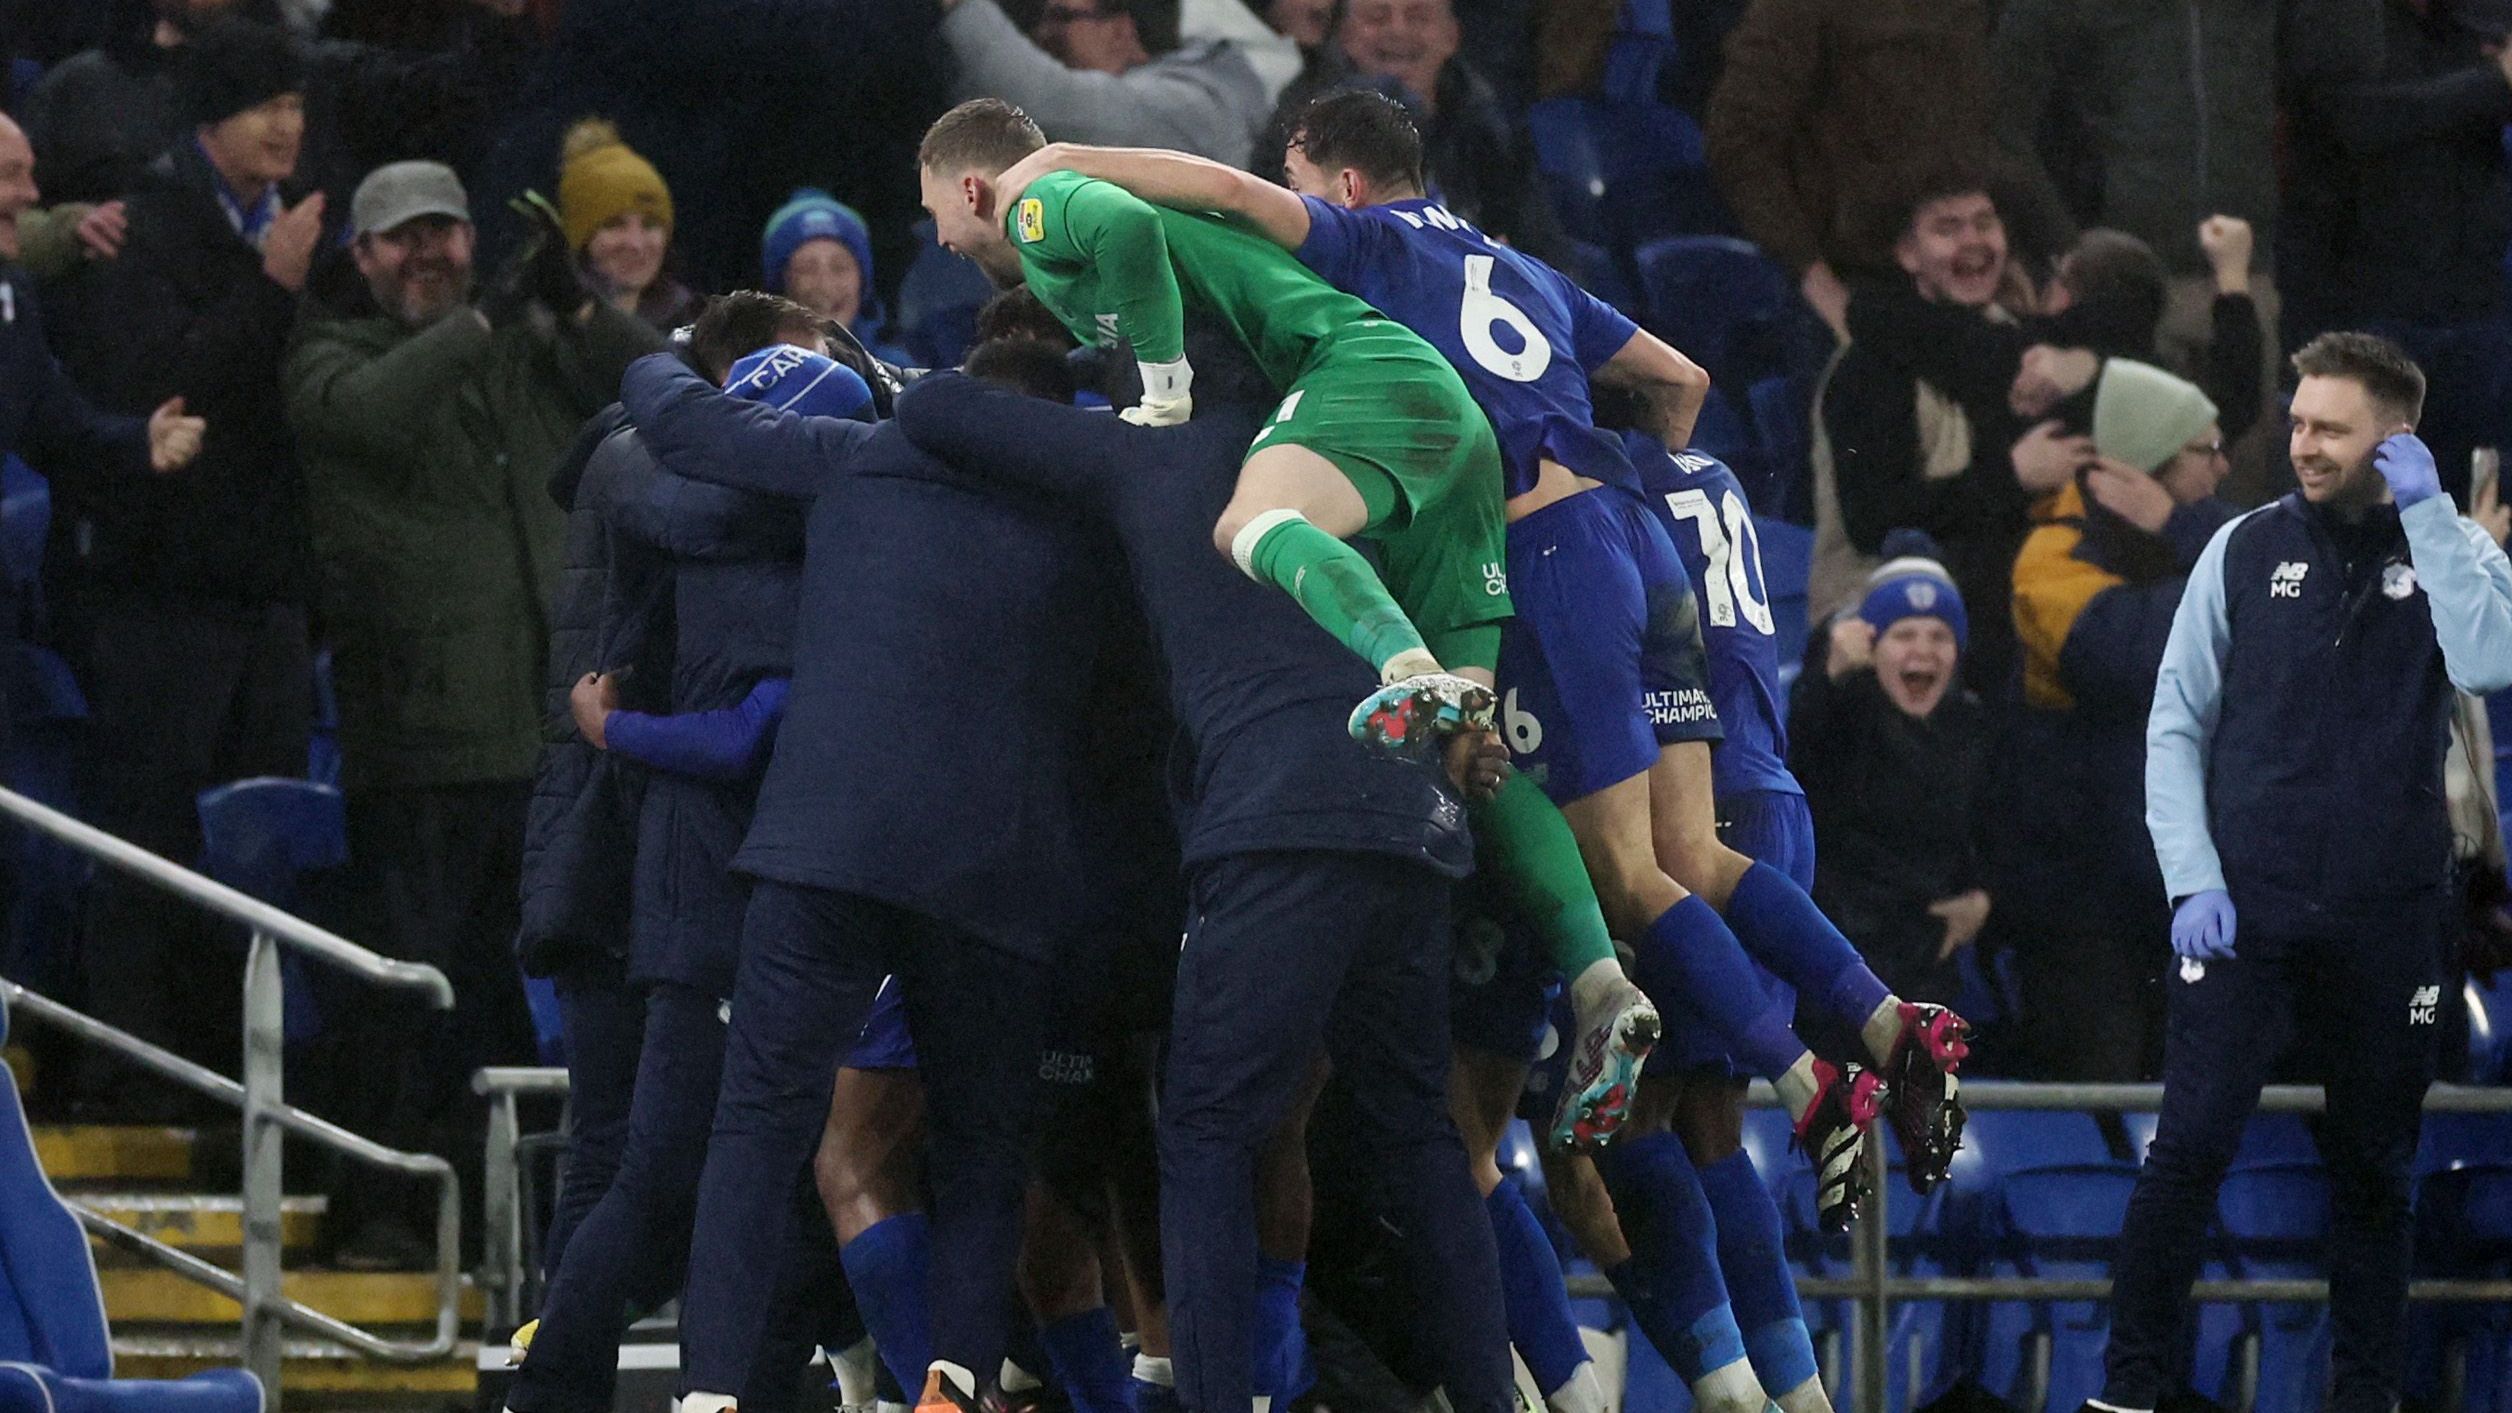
72	1154
155	1296
199	1223
312	1367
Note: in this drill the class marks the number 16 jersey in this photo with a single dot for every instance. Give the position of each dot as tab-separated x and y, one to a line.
1523	336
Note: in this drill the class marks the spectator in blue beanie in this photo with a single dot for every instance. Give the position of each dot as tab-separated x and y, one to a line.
818	253
1890	748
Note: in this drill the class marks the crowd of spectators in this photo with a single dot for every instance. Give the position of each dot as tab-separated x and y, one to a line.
326	290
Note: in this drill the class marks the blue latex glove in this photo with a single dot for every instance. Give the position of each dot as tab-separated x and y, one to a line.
2202	926
2408	465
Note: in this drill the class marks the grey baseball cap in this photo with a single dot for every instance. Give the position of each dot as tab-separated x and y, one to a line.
404	191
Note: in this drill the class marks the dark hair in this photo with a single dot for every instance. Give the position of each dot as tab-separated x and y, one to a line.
2388	375
1018	313
982	134
1942	182
1029	365
1364	130
736	325
2116	267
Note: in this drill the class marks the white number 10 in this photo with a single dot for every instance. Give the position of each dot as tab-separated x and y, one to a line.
1735	555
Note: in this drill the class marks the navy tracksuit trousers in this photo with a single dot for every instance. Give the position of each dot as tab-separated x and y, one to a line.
632	1249
603	1017
811	961
1289	952
2359	1009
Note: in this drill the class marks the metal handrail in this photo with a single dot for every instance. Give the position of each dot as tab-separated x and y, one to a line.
1874	1287
501	1190
217	897
267	1311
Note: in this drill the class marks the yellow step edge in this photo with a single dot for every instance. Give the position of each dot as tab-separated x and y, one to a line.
113	1153
142	1296
201	1223
309	1369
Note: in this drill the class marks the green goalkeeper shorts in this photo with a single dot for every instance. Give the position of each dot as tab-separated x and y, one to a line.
1390	413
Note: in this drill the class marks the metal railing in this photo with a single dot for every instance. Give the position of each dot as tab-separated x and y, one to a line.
268	1312
1871	1284
504	1269
1874	1287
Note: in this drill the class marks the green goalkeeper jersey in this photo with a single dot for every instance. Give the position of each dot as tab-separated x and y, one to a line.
1113	266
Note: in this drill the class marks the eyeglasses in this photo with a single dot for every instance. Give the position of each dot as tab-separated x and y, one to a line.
2209	450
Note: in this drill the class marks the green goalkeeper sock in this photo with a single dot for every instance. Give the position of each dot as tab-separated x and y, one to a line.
1528	841
1333	584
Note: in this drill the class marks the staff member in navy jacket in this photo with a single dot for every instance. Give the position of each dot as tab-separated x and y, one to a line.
2294	792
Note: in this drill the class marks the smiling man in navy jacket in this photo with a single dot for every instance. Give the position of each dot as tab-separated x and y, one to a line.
2294	792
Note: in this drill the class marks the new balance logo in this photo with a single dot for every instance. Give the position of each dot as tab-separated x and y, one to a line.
2422	1005
2287	581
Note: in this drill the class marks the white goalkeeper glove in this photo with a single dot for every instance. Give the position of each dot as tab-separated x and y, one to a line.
1168	397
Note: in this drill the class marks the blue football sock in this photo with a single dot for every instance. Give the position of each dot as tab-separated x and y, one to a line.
1671	1283
1786	932
1688	957
1089	1362
1751	1253
1537	1304
1281	1352
886	1266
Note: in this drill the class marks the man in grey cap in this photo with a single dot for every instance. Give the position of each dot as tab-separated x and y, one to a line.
429	421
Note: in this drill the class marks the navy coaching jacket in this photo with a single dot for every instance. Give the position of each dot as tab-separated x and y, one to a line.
2294	752
944	635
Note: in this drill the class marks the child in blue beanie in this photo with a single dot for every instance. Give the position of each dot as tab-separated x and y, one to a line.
1891	750
817	252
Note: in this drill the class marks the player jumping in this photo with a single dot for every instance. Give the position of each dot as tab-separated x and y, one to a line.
1376	437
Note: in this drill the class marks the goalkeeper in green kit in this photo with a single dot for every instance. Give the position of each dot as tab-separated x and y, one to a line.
1375	437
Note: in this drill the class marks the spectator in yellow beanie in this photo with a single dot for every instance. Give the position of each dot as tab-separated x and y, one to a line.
618	216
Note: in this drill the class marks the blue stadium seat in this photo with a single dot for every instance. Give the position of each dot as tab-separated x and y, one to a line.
1705	294
1783	425
938	302
264	837
2463	1230
25	519
1643	45
2058	1220
55	1353
2275	1219
1621	174
1787	559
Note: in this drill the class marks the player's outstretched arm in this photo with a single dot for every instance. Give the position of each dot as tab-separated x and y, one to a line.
1670	386
1175	180
987	429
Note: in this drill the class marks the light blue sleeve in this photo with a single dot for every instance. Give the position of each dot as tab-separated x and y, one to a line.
2181	728
2468	587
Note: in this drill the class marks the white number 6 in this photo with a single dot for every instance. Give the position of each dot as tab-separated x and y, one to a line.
1480	310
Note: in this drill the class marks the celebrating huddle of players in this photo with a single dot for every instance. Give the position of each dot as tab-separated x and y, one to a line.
1546	660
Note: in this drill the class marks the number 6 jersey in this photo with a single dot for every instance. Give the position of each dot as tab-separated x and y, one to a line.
1521	334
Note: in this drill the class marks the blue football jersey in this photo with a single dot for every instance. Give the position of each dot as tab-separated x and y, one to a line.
1517	330
1705	510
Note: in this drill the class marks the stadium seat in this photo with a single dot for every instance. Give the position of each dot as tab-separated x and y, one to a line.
1705	294
2275	1220
25	520
55	1354
2055	1220
1787	559
265	837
